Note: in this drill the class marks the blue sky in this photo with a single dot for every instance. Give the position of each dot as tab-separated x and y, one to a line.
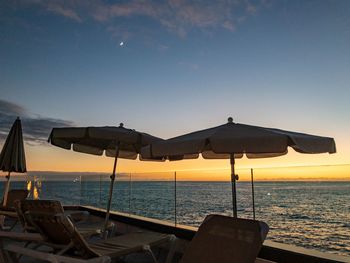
183	65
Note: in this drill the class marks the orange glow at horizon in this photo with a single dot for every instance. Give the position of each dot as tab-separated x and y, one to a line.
48	158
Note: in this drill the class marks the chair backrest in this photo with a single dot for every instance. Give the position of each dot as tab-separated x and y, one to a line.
58	229
16	195
46	206
226	239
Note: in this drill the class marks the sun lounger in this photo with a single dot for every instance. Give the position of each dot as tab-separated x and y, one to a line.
9	210
55	207
219	239
13	196
15	209
23	237
31	235
59	230
226	239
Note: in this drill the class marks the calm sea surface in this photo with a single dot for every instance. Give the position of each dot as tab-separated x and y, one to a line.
308	214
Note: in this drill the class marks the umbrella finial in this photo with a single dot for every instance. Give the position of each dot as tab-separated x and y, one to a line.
230	120
121	125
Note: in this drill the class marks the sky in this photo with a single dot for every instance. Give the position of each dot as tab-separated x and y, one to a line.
173	67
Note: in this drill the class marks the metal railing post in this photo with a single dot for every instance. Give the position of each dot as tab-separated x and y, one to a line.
175	200
252	177
81	190
130	194
100	194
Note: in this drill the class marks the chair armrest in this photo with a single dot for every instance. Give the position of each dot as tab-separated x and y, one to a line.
9	213
7	208
34	237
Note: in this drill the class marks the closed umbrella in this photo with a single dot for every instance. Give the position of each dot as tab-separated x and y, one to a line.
233	140
12	157
117	142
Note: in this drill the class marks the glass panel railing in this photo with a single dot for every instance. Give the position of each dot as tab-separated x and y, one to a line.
18	181
121	200
153	195
64	188
200	193
307	206
197	198
90	189
146	194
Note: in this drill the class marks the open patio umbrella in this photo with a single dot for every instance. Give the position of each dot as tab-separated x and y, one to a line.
12	157
233	140
117	142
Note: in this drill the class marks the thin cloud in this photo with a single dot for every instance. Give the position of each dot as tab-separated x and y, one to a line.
163	48
119	32
178	16
66	12
192	66
7	107
229	26
68	9
251	9
36	129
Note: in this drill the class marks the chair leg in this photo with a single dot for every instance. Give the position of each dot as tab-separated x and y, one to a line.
14	224
172	249
148	249
113	230
10	257
36	246
65	249
2	222
3	255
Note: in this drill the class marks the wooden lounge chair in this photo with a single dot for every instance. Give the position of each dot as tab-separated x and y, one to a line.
31	235
219	239
225	239
9	209
59	230
13	196
55	207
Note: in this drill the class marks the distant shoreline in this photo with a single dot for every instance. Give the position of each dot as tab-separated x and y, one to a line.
188	181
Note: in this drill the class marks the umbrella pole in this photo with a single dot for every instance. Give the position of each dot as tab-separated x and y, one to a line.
252	177
4	200
233	184
6	191
110	196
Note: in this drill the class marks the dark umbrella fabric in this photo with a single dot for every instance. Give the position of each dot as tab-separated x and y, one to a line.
117	142
12	157
233	140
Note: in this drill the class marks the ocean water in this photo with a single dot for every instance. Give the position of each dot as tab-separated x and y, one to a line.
307	214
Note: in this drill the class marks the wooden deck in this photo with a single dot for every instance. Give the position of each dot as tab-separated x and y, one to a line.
122	228
130	223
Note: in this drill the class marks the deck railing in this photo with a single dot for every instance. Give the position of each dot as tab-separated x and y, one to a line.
306	205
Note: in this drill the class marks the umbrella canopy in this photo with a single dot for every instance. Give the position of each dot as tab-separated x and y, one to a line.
117	142
12	157
233	140
238	139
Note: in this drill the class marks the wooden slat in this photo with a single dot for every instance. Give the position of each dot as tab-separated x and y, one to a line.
21	236
52	257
